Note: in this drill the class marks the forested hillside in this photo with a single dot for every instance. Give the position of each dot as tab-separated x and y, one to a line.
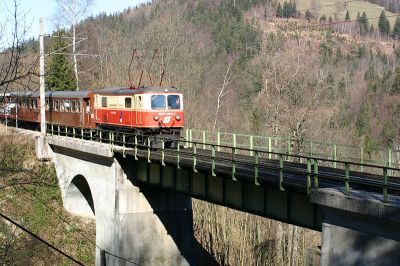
278	76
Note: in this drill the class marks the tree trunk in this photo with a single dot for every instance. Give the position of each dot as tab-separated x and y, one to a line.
74	56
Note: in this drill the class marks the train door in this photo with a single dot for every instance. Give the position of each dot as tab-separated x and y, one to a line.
87	112
138	113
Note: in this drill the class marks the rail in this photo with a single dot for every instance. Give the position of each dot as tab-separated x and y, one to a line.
353	153
379	178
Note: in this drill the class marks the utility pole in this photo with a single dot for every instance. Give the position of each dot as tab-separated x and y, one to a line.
42	94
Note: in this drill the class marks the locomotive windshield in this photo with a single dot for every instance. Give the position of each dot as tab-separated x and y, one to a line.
174	102
158	102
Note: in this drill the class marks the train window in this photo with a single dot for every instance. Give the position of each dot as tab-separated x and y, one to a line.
51	102
174	102
34	104
67	106
103	101
47	104
128	102
56	105
157	101
73	106
139	101
79	106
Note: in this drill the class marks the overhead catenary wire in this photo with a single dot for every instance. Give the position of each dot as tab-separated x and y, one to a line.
40	239
74	228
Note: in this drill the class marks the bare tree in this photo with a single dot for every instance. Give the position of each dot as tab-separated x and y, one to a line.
15	68
223	91
71	12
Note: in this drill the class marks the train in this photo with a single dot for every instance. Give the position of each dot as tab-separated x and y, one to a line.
146	111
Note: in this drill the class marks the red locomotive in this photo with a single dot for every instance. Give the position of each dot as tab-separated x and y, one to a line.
146	111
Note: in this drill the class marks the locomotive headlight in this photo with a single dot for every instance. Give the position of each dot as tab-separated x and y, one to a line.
177	117
156	118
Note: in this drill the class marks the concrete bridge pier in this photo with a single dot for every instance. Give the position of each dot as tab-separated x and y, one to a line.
358	229
142	225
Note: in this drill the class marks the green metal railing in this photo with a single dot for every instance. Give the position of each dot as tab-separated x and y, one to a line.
382	157
378	178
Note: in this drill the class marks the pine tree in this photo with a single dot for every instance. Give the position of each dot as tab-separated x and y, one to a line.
308	15
286	9
371	30
396	82
382	23
60	75
279	12
387	27
347	16
294	10
396	29
364	23
323	18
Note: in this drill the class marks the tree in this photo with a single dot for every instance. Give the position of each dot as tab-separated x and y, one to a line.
286	9
396	82
308	15
14	65
223	91
396	29
60	75
347	16
322	19
294	9
383	24
364	25
71	12
279	12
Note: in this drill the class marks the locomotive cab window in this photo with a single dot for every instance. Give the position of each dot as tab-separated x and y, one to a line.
158	102
128	102
174	102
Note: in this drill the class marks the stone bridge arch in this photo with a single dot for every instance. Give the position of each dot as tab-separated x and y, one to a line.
78	197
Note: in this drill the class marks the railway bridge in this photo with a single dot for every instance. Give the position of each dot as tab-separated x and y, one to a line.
141	196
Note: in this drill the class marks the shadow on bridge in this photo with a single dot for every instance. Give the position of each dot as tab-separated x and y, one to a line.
174	210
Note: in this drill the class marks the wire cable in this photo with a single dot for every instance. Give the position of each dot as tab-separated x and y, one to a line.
40	239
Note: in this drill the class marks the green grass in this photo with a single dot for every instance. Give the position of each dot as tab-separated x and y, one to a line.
354	7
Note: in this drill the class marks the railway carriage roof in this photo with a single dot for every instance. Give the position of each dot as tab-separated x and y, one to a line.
120	90
53	94
85	94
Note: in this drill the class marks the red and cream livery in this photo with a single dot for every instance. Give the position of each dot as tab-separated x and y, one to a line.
146	110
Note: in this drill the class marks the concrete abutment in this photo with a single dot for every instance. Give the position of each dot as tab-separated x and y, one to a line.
358	228
143	225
